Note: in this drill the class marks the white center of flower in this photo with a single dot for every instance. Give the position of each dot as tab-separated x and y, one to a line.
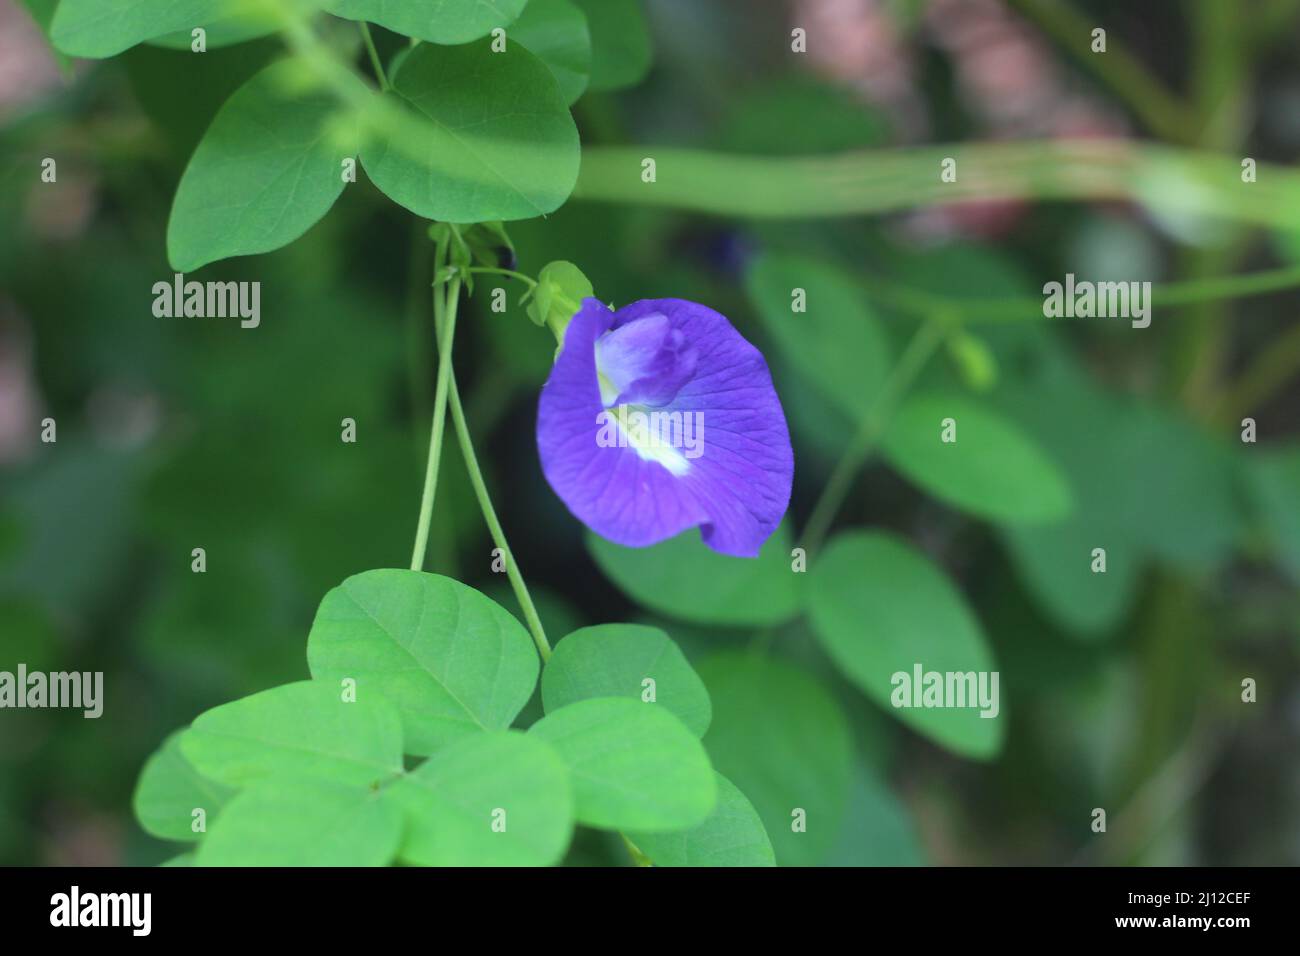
654	434
635	362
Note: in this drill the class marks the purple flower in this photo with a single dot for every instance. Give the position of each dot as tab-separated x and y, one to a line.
660	417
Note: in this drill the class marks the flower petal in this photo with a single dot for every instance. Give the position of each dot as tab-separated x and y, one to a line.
731	470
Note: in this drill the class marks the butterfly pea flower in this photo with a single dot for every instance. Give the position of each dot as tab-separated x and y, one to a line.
660	417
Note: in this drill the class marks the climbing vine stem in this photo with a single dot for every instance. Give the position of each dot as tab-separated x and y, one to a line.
922	345
444	320
439	421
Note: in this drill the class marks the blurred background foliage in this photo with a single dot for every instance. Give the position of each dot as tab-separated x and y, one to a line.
1120	691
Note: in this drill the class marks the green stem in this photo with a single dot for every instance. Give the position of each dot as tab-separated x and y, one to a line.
374	55
494	527
439	420
444	325
634	851
1164	113
922	345
1028	308
1270	371
504	272
1200	183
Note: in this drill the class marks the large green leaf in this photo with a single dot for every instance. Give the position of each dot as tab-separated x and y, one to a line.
836	344
305	823
881	609
102	28
620	42
482	136
268	168
992	469
170	790
453	660
501	799
733	835
616	660
556	31
634	767
1076	423
685	579
439	21
297	731
783	740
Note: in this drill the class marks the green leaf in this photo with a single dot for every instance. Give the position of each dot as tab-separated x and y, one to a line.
1273	480
965	272
219	33
620	42
269	167
879	831
880	608
452	660
1076	423
614	660
438	21
1194	518
634	767
501	799
488	136
307	823
827	116
170	790
556	32
837	345
783	740
301	730
102	28
733	835
992	470
685	579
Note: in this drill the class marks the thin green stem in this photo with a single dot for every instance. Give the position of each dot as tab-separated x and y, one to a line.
634	851
439	419
374	55
922	345
444	319
1275	365
1028	308
491	270
1164	113
494	527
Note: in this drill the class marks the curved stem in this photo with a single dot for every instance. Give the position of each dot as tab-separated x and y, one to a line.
1275	365
444	326
439	421
374	55
922	345
494	526
532	283
1164	113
